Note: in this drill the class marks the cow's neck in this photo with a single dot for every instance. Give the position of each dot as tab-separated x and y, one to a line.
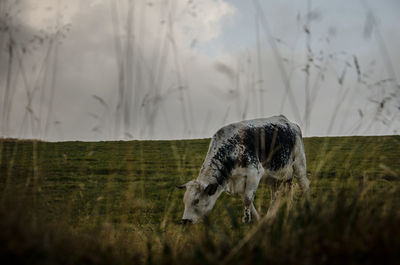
218	165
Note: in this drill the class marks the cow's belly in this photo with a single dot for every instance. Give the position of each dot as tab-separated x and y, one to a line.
282	174
241	177
236	184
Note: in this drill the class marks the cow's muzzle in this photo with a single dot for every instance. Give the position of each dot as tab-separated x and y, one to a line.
186	221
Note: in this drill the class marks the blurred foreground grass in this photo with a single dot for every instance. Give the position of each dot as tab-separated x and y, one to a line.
116	203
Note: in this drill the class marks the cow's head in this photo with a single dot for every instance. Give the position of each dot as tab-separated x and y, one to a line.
199	199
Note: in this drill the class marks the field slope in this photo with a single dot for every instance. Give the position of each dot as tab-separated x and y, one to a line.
118	201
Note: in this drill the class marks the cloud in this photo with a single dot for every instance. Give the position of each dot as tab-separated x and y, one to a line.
201	20
87	62
173	87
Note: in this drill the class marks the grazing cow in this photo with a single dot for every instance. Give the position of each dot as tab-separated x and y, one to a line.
239	155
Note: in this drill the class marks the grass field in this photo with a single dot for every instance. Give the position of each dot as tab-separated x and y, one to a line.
116	203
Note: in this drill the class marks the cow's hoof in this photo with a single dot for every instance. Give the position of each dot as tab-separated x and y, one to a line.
246	219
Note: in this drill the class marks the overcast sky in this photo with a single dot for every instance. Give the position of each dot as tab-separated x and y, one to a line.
167	69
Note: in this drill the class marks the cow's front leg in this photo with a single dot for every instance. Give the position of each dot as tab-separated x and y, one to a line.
251	185
247	209
254	212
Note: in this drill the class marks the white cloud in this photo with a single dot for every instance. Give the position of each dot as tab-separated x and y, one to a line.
202	20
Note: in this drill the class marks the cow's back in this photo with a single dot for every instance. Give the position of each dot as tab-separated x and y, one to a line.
270	141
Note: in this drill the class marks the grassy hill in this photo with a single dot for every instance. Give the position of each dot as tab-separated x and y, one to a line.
119	199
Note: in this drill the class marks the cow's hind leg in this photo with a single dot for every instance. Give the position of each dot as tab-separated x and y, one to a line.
275	186
252	180
300	173
300	167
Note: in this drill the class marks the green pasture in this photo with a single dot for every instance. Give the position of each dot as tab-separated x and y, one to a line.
127	188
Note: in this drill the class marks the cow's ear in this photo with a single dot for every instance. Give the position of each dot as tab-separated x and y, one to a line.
181	186
211	188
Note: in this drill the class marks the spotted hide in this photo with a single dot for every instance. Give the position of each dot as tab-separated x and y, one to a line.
239	155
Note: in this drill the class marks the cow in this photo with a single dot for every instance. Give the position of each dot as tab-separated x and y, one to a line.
239	156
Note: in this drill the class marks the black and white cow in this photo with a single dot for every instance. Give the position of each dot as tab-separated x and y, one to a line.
239	155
